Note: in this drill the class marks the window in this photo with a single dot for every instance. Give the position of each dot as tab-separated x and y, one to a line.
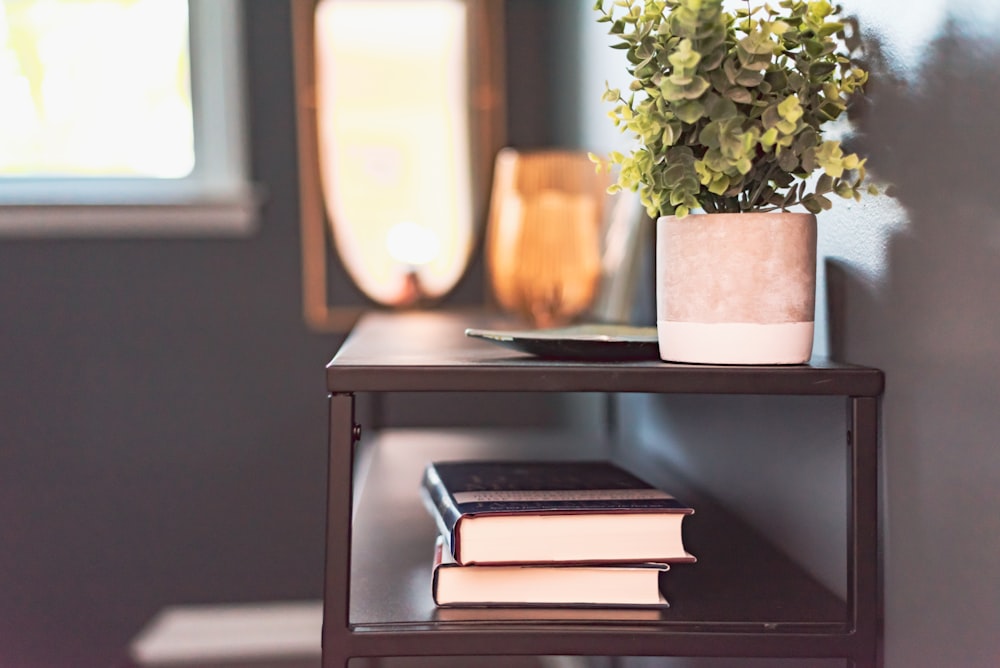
122	116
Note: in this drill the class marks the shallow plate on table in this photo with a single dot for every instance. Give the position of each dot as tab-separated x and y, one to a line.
596	342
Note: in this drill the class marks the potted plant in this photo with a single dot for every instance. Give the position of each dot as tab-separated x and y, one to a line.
729	108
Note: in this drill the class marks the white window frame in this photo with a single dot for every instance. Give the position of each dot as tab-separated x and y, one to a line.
216	199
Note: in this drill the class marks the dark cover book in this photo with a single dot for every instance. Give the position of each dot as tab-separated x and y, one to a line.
621	505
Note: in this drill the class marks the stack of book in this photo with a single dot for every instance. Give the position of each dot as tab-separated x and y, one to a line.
583	533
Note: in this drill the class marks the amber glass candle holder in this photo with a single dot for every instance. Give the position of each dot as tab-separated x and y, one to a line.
543	246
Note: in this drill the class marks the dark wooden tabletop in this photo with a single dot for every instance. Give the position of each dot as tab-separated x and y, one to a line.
429	351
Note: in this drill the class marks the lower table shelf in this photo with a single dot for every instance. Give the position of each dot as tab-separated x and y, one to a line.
740	596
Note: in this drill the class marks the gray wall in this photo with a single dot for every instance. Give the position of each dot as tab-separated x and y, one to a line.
162	414
909	285
163	406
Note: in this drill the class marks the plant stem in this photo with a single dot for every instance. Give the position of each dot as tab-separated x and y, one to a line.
760	187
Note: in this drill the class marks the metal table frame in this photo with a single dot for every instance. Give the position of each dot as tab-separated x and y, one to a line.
367	364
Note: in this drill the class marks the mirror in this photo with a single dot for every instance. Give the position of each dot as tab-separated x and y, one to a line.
400	116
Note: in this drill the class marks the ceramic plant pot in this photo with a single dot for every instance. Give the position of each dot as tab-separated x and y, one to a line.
736	288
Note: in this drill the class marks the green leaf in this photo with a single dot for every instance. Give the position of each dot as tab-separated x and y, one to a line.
718	80
712	58
790	109
808	160
685	57
757	44
671	132
844	189
820	9
710	135
787	160
821	70
831	110
812	204
830	156
691	90
805	140
749	78
830	28
771	117
777	78
824	183
814	47
720	108
690	111
719	184
780	28
739	95
769	138
731	68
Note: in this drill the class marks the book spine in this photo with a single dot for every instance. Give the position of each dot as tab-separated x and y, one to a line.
442	507
439	546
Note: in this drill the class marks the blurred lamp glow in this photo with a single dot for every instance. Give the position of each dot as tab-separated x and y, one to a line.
412	244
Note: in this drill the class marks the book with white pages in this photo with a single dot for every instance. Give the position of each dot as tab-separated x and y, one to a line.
536	585
518	512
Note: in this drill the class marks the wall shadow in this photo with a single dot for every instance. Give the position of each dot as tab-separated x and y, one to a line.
932	325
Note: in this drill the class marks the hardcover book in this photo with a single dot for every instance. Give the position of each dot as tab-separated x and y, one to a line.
635	585
503	512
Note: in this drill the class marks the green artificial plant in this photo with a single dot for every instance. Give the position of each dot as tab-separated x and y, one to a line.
728	107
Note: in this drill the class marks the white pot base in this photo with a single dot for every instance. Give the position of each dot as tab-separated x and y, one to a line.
735	343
